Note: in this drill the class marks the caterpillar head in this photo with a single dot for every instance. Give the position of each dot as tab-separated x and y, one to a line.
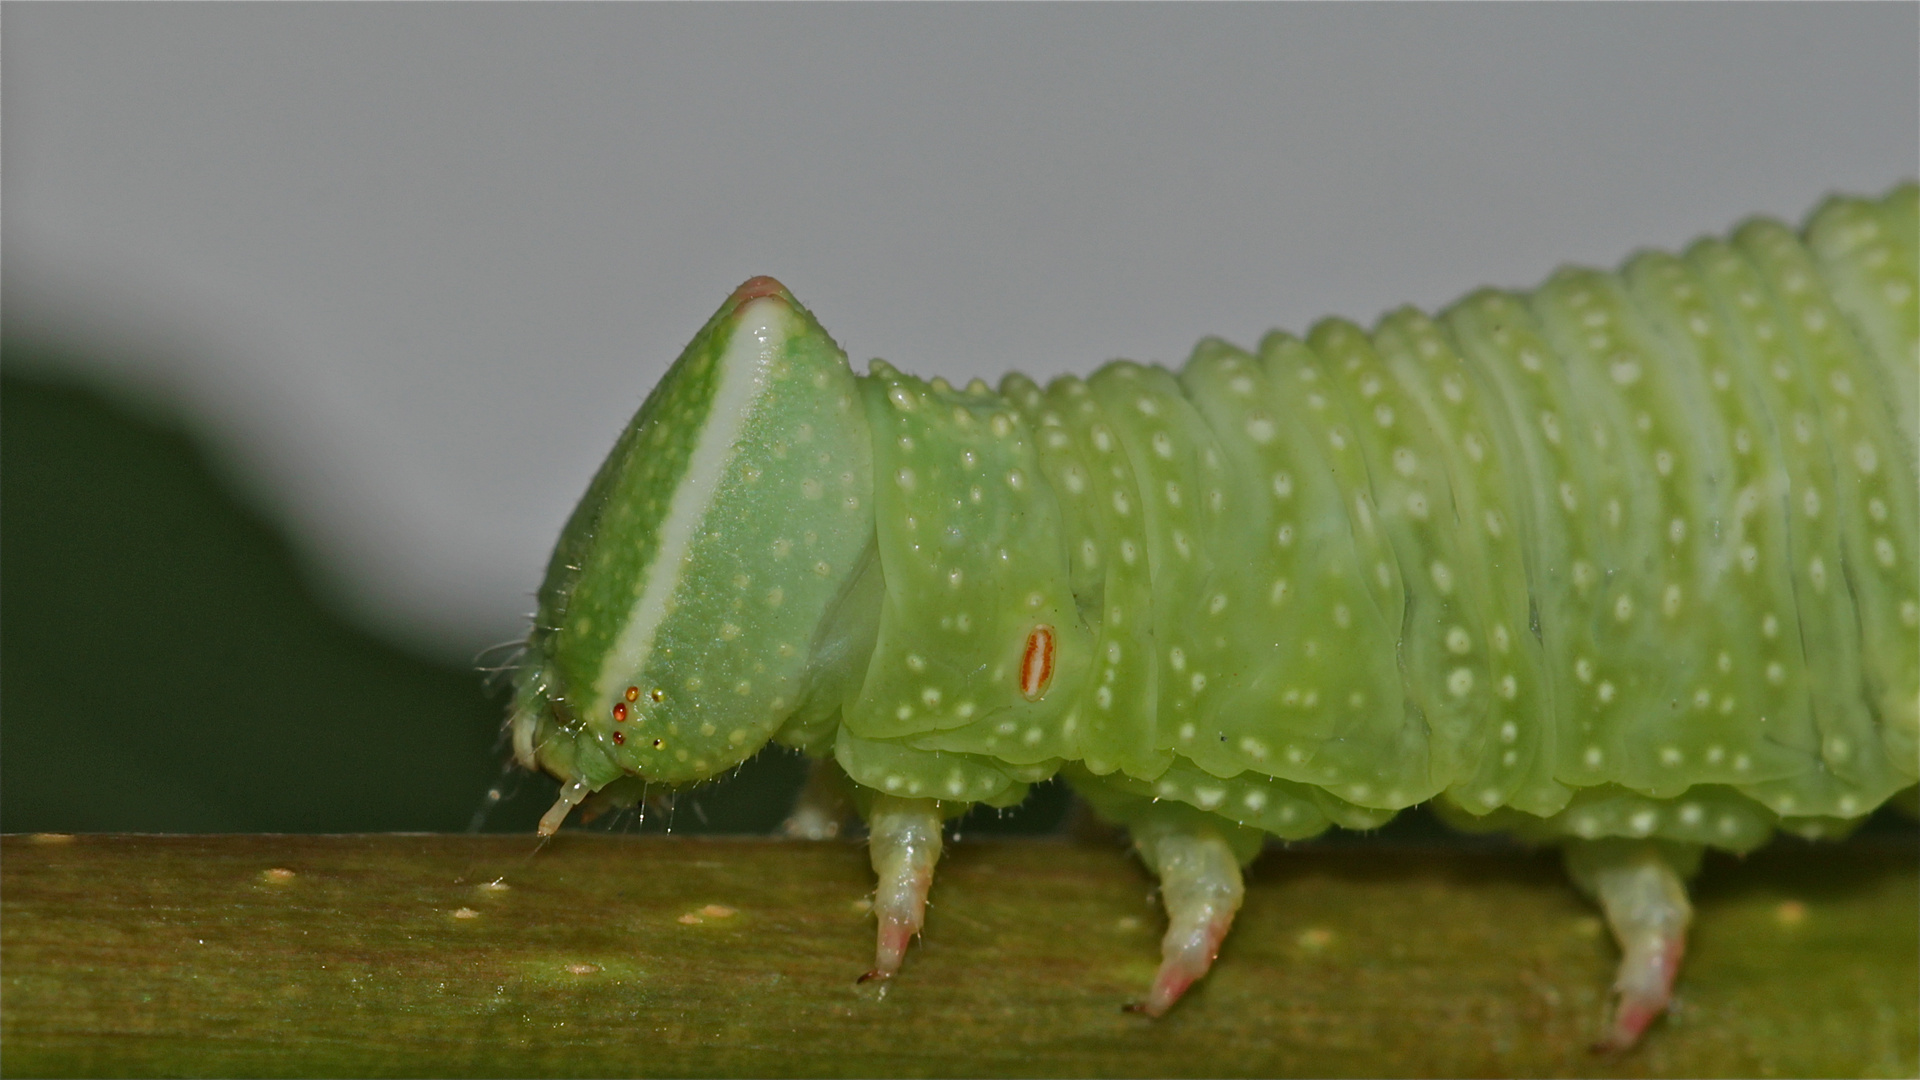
696	600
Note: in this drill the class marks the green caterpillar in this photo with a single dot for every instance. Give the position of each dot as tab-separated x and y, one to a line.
1625	564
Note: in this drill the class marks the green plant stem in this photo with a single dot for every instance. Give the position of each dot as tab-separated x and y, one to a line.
391	955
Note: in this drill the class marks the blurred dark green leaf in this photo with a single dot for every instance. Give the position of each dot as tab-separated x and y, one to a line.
165	666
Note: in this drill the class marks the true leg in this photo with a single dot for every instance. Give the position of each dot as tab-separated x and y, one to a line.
1641	887
904	837
571	795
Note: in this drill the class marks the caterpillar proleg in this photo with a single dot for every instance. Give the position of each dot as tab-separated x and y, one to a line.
1624	564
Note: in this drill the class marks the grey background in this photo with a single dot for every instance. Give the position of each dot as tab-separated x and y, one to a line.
415	265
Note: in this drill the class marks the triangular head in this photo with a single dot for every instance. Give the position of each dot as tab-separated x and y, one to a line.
688	613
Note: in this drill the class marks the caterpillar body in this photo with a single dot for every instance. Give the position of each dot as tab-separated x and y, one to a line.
1626	563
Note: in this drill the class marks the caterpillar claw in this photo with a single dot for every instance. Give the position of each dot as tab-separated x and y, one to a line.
904	842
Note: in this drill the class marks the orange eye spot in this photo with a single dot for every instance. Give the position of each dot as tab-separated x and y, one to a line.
1036	664
633	693
619	738
619	712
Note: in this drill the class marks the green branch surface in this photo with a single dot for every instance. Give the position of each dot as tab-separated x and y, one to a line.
400	955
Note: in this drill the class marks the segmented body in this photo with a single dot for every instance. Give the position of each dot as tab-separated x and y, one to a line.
1629	555
1626	563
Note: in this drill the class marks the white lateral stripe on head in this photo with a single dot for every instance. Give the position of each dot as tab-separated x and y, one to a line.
741	378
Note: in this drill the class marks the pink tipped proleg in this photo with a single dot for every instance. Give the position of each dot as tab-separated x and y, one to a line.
1201	887
905	845
1644	985
1642	891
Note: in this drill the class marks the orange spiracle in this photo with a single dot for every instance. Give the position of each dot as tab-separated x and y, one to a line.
1036	664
